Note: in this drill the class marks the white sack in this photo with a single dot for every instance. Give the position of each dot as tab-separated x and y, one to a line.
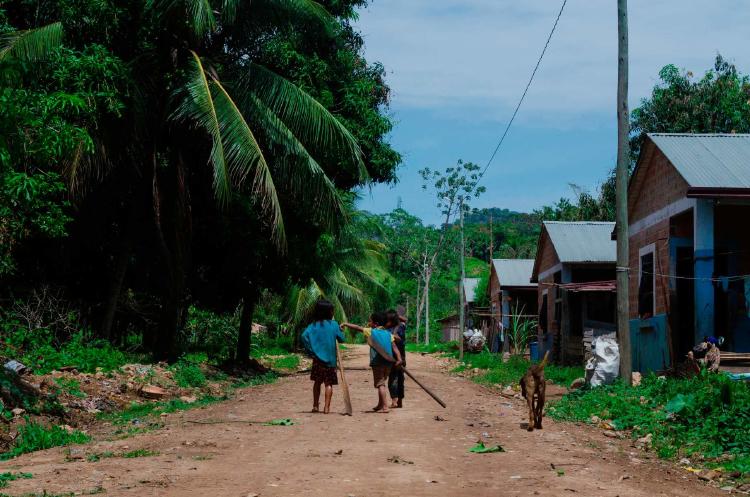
604	365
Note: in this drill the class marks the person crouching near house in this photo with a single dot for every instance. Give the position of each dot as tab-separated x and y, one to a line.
319	340
377	334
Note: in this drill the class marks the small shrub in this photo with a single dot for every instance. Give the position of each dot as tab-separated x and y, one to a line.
188	375
34	436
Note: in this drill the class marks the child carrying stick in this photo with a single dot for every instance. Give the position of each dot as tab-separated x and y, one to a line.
381	368
319	340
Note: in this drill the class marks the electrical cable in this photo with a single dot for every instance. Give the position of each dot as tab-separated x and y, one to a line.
526	90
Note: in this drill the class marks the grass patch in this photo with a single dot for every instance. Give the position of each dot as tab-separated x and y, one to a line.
71	386
5	478
34	436
136	412
187	374
706	416
433	347
286	362
98	456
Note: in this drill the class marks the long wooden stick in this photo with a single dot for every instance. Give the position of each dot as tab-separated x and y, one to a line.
344	384
429	392
385	355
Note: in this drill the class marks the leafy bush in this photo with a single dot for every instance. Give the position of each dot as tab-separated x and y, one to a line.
38	351
34	436
707	415
187	374
214	334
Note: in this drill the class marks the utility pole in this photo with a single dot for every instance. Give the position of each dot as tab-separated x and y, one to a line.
461	289
621	178
492	240
418	305
428	275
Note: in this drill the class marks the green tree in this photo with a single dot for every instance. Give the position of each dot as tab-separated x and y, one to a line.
197	97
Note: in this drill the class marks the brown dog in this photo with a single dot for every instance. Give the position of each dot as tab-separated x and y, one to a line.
533	387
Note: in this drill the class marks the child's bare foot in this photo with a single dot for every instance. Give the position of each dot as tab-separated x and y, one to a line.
384	410
400	403
394	404
315	409
377	408
326	410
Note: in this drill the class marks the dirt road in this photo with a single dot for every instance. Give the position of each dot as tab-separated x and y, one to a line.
407	452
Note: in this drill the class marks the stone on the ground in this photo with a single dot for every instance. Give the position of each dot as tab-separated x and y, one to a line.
577	383
18	411
153	392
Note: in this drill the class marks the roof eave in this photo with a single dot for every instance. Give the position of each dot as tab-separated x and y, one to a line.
718	192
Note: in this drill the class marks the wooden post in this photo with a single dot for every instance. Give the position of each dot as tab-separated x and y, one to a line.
621	178
418	305
461	290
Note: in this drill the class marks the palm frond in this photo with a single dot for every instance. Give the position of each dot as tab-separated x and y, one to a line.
235	153
198	106
296	165
293	11
245	157
305	117
32	44
199	14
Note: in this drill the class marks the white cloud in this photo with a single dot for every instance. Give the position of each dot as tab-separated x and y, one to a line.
471	58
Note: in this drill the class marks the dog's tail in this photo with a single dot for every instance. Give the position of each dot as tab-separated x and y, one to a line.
544	361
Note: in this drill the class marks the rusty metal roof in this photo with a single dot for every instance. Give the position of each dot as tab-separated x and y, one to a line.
708	160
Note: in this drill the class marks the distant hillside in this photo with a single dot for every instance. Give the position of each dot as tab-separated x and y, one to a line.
514	234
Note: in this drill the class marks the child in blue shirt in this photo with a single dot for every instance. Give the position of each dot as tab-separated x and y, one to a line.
319	340
381	367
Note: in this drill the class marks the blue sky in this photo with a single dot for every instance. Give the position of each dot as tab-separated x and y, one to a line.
457	69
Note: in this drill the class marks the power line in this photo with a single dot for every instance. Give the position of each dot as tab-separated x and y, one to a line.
526	90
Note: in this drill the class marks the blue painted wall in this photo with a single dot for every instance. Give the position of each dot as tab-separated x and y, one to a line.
648	338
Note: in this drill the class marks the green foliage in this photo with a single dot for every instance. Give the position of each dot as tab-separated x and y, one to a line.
139	453
707	415
212	333
286	362
187	374
38	350
33	436
7	477
433	347
509	373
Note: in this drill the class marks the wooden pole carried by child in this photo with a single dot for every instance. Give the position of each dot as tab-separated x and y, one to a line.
375	345
344	384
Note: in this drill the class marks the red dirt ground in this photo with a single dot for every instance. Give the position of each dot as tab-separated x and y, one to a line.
406	453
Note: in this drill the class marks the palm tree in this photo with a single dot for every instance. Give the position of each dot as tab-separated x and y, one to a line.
198	99
352	272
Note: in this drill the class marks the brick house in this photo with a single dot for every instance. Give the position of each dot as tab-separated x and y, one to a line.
575	272
511	293
688	206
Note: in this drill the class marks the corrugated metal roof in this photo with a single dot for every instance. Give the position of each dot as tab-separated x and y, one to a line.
470	287
585	241
514	272
708	160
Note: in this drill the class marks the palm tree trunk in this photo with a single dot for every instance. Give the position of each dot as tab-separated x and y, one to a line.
244	335
173	214
118	275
